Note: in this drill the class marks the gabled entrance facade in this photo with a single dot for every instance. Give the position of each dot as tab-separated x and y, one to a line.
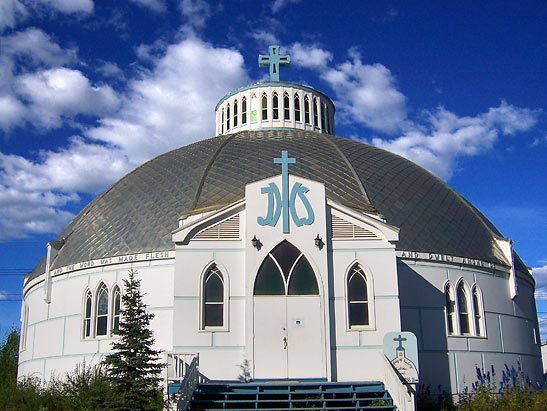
292	286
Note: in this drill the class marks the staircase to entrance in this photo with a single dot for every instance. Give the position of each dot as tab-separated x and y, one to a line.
291	395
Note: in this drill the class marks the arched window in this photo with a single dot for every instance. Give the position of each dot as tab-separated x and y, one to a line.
235	113
213	298
323	117
227	117
449	308
463	309
88	303
101	325
243	110
358	307
24	328
222	122
275	107
316	113
296	108
286	108
116	308
285	271
478	310
307	110
254	108
264	107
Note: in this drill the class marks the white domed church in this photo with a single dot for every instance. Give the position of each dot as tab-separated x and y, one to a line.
280	248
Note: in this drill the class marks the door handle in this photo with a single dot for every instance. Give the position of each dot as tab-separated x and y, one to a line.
284	343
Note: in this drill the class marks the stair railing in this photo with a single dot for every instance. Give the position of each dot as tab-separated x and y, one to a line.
402	393
188	386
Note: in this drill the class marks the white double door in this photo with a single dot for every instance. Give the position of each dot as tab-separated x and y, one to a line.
288	337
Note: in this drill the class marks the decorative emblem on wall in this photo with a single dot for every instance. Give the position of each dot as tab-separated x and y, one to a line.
284	203
404	358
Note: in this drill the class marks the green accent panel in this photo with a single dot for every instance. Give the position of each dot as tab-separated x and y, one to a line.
269	280
303	281
253	115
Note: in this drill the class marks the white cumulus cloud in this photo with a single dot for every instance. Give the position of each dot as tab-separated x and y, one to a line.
367	94
11	11
154	5
36	47
196	12
11	112
438	142
168	106
60	92
173	105
277	5
69	6
309	56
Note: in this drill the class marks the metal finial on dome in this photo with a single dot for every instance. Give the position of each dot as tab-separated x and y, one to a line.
274	60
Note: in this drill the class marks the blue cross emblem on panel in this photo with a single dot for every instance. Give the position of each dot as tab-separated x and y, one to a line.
284	204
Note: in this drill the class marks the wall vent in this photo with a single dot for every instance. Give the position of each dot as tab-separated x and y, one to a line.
344	229
225	230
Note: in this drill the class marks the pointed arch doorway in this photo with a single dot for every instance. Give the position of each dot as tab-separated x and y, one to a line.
288	332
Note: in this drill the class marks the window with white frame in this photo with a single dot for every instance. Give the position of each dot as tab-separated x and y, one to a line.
88	304
116	308
450	304
286	108
357	298
213	298
101	312
243	110
296	107
316	113
478	311
227	117
235	113
101	317
24	328
463	309
264	107
307	110
275	107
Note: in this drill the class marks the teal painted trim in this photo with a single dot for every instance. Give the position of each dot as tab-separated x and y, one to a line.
213	339
360	338
208	347
64	336
159	308
509	315
237	297
187	297
53	357
356	347
53	319
419	307
272	84
477	352
501	333
210	250
359	250
336	298
386	297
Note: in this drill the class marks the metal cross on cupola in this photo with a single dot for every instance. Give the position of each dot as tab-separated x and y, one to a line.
274	60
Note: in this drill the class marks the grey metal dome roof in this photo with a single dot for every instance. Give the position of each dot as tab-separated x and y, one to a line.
139	212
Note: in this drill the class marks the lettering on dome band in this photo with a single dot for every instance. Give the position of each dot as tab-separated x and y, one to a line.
283	203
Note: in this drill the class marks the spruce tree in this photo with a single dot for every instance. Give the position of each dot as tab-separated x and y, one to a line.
133	367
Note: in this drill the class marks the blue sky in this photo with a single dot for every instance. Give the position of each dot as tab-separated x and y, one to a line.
90	89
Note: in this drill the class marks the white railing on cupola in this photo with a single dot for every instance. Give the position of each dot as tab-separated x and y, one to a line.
275	105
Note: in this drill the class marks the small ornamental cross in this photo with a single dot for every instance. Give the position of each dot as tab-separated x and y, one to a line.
400	340
274	60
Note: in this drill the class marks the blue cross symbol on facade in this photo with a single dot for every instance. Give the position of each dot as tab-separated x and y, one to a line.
285	202
274	60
